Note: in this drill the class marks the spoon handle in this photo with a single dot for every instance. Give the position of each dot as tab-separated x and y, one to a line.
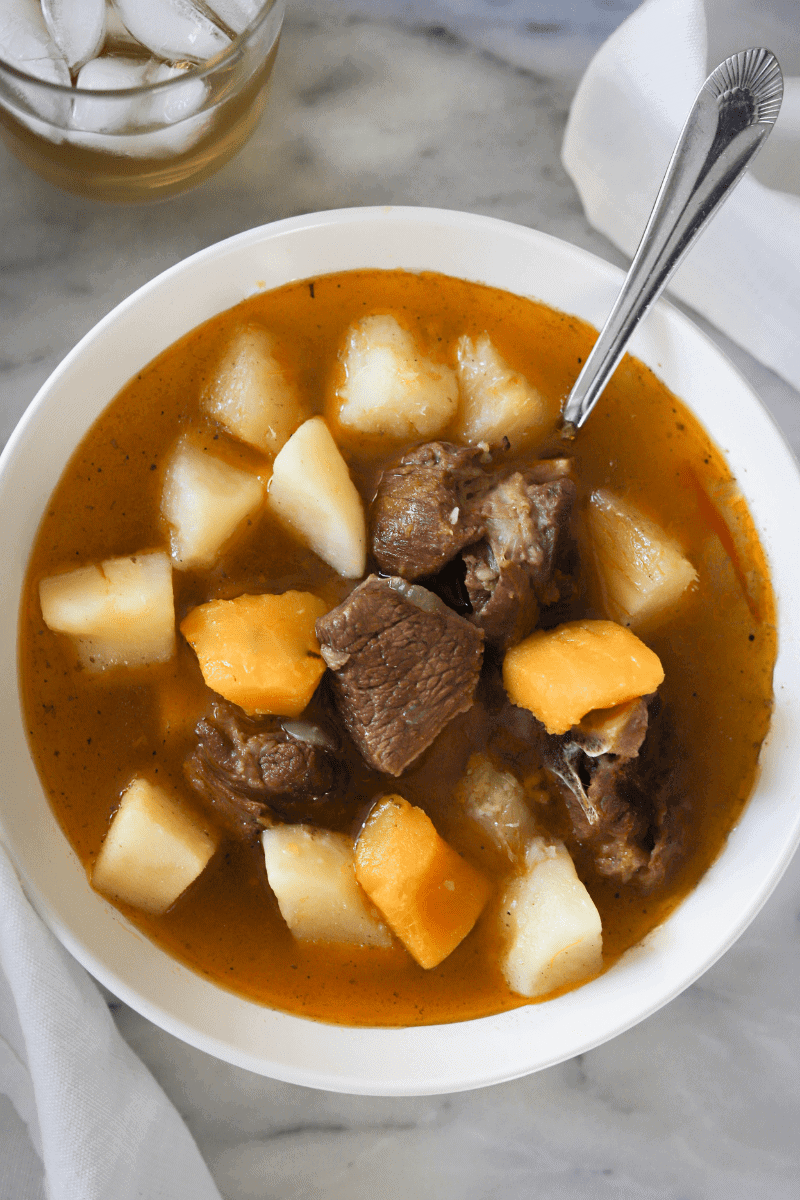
732	115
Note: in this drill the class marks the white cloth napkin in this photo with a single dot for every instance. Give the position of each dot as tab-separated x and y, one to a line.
743	273
100	1125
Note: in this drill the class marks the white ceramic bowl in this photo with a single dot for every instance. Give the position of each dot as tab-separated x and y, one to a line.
434	1058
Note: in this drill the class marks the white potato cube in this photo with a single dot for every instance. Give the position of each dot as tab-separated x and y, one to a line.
392	390
250	394
643	572
153	850
204	499
496	402
495	801
118	613
551	926
311	491
312	873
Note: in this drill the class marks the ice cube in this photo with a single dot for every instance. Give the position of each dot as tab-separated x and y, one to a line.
26	43
237	14
172	29
98	114
121	126
160	143
172	140
170	105
77	27
156	143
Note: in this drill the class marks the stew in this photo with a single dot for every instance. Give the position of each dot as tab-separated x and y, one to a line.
691	751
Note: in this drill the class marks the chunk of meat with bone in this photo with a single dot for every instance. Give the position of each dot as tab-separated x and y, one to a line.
629	817
424	511
590	762
509	574
403	665
501	597
249	768
638	836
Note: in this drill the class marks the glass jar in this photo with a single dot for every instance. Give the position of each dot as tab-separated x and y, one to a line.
144	142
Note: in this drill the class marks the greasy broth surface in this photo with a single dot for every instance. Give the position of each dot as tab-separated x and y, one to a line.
91	733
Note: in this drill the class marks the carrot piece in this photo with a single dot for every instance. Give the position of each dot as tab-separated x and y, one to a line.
562	674
429	895
260	652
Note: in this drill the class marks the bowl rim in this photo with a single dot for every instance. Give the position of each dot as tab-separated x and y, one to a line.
436	1059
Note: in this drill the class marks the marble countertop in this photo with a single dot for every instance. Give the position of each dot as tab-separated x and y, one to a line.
456	105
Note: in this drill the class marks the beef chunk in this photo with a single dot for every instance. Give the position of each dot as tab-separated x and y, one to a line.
438	500
627	811
501	596
403	666
424	511
510	573
641	832
250	768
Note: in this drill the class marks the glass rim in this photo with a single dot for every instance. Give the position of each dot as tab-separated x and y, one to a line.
196	71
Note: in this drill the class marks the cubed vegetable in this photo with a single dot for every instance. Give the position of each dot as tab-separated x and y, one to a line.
496	401
312	873
311	491
204	499
563	673
550	924
495	801
260	652
430	896
118	613
391	389
643	572
250	394
153	850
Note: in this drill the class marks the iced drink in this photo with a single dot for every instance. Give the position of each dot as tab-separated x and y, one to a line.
134	99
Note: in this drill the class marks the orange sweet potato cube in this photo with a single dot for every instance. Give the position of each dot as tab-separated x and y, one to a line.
562	674
260	652
429	895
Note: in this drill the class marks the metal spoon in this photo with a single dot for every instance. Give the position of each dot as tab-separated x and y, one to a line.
731	117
